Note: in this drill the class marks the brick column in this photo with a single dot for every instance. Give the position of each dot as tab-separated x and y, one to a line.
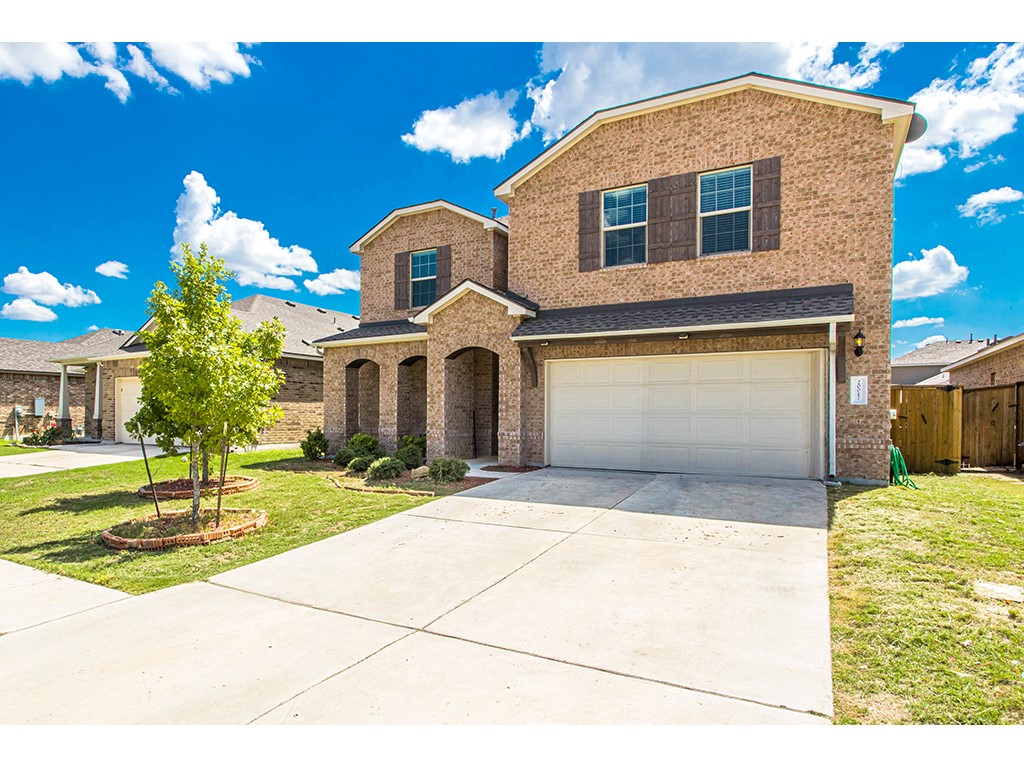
387	424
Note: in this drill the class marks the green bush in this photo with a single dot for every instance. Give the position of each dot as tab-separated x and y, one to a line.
344	456
49	436
410	455
315	444
385	469
420	441
363	444
445	470
361	463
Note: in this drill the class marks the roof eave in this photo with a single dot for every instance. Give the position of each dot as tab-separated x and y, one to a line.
791	322
366	340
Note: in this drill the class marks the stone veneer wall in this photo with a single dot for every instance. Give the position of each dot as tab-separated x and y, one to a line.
22	389
1008	367
475	255
836	227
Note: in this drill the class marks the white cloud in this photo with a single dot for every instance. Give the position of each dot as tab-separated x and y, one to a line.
990	160
93	327
140	66
47	289
201	63
967	113
482	126
47	61
245	245
338	281
935	272
929	340
113	269
26	309
982	205
577	79
914	322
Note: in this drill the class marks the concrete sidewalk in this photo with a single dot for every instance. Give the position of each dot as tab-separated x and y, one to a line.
554	596
73	456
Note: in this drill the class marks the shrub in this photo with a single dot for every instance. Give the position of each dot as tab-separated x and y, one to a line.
315	444
361	463
344	456
385	469
49	436
363	444
410	455
420	441
445	470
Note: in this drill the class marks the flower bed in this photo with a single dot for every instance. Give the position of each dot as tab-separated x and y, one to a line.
145	532
181	488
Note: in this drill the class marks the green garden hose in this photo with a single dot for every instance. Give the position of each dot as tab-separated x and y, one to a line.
898	469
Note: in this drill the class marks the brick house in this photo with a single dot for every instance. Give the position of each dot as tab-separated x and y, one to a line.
300	397
926	366
676	288
997	364
31	386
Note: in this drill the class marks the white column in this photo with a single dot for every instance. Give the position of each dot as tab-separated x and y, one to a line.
63	406
832	399
97	404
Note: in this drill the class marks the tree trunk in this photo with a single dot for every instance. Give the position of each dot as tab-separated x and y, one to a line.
223	470
206	468
193	468
149	474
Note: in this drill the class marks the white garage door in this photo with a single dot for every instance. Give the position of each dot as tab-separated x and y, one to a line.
757	413
126	405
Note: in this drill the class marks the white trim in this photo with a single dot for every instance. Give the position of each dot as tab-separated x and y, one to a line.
816	394
748	208
994	349
63	399
696	328
889	110
358	246
122	356
620	227
831	423
396	337
97	402
414	280
423	318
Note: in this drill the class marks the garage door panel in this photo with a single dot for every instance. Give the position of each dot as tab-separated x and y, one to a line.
732	413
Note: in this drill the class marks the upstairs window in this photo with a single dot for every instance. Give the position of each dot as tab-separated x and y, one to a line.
423	277
624	225
725	211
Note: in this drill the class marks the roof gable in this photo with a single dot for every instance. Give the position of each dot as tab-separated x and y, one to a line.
939	353
514	304
991	349
412	210
890	110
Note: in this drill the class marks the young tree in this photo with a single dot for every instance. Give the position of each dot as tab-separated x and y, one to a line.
207	383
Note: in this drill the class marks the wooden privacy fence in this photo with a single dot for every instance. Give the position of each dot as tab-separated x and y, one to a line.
927	427
991	425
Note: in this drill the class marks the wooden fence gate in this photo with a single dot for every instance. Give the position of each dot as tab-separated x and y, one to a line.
927	427
992	423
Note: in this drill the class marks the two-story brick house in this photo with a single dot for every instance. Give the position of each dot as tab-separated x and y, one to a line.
677	288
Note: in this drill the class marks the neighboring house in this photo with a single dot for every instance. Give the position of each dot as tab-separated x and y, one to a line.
300	397
999	363
31	385
925	366
677	289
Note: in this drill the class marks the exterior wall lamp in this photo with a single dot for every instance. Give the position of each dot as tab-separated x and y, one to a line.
858	343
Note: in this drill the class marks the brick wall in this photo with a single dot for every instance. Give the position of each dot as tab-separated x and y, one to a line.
23	388
995	369
476	254
412	398
836	219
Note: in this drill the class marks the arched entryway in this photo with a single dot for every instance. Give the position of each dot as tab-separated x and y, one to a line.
471	403
362	397
412	396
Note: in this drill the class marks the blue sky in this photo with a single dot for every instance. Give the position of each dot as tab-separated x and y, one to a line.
281	155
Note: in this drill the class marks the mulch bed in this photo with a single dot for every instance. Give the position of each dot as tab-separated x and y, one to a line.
508	468
398	485
181	488
174	529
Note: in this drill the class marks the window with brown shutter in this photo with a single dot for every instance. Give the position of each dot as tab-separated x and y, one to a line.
672	218
402	280
444	269
766	204
590	230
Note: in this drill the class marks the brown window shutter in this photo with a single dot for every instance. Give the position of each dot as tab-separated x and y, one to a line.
402	280
590	231
672	218
767	194
444	269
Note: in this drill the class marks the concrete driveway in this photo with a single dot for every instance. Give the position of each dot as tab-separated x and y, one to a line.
554	596
68	457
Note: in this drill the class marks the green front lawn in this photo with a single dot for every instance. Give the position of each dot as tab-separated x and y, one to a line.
6	449
53	521
911	640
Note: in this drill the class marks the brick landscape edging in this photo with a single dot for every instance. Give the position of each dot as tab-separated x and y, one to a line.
249	484
184	539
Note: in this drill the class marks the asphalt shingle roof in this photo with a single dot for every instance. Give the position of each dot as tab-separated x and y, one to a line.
302	322
30	356
376	330
941	352
764	306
